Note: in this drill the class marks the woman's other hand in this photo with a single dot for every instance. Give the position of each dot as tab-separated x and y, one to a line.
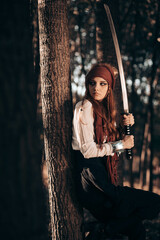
127	119
128	141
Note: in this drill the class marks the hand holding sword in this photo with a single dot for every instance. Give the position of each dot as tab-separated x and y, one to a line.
128	118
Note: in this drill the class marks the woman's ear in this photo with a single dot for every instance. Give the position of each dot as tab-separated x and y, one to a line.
115	71
108	91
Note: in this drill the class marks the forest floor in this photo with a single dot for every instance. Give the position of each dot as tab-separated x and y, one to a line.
152	232
152	229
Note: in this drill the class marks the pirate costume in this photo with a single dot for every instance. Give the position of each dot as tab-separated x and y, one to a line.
121	208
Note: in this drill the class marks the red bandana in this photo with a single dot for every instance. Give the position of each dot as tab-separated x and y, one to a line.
104	72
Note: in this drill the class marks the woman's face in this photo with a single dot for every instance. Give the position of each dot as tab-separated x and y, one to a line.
98	88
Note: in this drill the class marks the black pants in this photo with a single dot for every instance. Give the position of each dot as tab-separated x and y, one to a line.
122	208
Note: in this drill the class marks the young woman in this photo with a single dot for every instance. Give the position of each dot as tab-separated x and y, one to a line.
97	143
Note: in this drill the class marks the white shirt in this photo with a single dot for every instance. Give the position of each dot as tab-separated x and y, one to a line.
83	132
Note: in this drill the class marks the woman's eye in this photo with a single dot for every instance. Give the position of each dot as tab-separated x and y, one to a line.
103	84
91	83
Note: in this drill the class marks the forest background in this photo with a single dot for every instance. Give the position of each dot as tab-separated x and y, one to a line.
46	49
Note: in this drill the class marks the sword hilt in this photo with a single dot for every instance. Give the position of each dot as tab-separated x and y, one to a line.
127	131
128	151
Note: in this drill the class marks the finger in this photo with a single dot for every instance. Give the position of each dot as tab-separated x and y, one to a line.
128	118
126	122
124	116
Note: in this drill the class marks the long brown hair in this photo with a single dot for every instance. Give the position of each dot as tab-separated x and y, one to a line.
104	110
104	114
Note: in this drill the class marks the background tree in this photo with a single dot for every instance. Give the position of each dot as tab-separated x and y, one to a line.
138	24
153	84
57	118
23	200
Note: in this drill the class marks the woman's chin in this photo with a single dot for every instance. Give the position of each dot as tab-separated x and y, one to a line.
97	98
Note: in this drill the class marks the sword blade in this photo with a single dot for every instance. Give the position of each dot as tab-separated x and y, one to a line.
119	60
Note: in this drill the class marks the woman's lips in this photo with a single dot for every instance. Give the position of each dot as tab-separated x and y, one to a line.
96	94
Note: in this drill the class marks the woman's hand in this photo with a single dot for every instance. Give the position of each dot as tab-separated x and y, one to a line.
127	119
128	141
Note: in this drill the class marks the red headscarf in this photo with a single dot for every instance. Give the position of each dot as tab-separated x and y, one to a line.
104	72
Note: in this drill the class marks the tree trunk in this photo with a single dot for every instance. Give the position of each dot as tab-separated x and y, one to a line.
105	45
22	207
133	93
57	118
144	150
152	91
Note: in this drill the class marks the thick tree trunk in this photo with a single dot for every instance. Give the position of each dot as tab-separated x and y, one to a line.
22	208
57	118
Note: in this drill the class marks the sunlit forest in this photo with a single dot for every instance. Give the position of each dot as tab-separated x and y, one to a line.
47	47
138	32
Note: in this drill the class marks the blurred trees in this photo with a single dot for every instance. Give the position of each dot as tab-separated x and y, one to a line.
139	32
137	24
23	200
82	30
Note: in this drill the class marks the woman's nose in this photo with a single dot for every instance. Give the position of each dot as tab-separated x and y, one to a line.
96	87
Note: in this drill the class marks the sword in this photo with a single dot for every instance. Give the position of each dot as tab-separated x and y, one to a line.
121	73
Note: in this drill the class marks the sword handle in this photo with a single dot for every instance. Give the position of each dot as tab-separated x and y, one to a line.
128	151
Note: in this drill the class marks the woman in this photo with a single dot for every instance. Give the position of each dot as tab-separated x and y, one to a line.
97	143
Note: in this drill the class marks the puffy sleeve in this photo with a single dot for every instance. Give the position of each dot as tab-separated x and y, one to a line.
83	133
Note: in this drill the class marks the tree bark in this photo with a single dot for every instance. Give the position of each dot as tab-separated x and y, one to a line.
57	118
